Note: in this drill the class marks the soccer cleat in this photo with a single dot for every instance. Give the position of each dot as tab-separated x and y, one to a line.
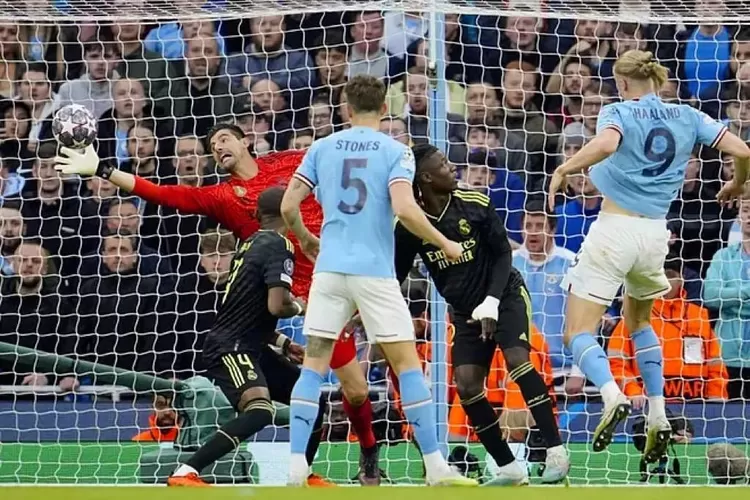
557	466
369	467
613	414
317	481
191	480
658	436
451	478
510	475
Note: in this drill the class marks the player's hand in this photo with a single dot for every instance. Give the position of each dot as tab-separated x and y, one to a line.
310	247
556	184
295	353
574	385
70	161
453	251
730	192
486	314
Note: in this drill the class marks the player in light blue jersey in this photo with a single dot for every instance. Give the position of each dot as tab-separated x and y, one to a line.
638	160
362	179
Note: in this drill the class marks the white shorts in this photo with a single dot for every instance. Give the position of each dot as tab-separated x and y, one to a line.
335	297
621	249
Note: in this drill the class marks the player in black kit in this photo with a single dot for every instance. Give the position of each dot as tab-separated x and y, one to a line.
491	308
237	350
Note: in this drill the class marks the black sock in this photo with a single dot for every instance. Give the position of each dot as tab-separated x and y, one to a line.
536	395
256	416
317	434
484	419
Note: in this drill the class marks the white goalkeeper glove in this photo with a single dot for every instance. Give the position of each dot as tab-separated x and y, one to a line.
488	309
70	161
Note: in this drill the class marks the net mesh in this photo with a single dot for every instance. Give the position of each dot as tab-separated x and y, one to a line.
524	83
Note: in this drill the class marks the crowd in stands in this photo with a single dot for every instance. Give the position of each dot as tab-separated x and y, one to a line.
88	271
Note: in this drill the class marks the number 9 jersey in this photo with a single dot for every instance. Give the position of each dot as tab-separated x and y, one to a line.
351	172
646	172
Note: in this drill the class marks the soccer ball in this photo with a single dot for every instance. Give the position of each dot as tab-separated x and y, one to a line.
74	126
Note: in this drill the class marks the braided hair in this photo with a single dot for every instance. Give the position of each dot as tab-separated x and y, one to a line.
421	152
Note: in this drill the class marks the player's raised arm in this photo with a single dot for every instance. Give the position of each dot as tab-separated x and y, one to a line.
184	198
727	142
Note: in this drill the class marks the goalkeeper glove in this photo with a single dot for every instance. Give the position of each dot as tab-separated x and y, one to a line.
488	309
85	163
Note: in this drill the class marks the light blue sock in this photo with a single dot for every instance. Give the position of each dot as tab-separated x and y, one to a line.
649	358
303	409
417	403
591	359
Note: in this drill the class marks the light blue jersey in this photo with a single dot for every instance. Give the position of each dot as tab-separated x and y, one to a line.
646	172
352	171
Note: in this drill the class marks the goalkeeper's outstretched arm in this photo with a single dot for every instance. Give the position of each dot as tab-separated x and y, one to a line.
187	199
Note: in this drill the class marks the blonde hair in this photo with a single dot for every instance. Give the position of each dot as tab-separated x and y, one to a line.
641	65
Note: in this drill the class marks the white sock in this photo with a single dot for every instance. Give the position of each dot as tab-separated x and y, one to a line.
184	470
435	464
656	410
511	469
609	392
298	468
556	450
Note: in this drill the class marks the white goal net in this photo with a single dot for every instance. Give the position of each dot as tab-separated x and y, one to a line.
93	273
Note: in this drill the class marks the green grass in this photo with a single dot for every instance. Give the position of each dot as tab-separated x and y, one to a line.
392	493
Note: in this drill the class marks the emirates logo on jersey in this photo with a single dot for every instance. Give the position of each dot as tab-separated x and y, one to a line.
240	191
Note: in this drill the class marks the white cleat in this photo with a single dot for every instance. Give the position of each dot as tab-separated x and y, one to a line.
557	466
510	475
613	414
658	436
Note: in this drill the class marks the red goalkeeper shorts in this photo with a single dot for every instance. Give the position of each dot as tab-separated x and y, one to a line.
344	350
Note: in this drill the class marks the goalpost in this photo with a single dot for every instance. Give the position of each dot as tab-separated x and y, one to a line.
51	436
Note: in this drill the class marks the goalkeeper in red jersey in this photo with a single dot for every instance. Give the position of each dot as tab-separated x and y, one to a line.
233	204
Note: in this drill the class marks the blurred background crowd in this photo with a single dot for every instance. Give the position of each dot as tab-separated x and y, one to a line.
91	272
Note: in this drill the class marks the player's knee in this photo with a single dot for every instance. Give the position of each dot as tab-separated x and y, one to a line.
469	387
356	395
515	357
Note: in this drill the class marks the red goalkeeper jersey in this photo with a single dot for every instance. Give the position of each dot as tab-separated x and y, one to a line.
233	204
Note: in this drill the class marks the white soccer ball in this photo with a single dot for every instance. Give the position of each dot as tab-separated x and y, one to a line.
74	126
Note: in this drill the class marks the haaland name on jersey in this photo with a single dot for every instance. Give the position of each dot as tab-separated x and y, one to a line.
656	113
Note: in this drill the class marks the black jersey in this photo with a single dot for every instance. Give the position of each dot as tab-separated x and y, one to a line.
264	261
485	268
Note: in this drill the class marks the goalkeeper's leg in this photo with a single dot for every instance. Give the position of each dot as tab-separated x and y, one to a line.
649	358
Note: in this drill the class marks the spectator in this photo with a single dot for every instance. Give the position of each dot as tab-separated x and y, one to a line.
12	230
140	64
320	118
576	77
66	228
627	36
505	188
418	104
543	265
11	184
330	61
301	140
14	133
118	311
736	101
482	104
36	93
398	94
401	29
366	55
523	119
520	41
143	152
587	49
204	95
595	96
130	106
577	213
395	127
171	39
267	57
100	190
200	294
692	359
94	89
34	314
190	162
12	58
268	98
726	291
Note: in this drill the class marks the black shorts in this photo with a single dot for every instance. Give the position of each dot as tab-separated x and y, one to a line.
236	372
513	330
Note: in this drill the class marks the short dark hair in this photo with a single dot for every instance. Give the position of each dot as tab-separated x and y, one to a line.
331	40
630	29
46	150
35	67
269	202
102	42
539	207
231	127
482	157
365	94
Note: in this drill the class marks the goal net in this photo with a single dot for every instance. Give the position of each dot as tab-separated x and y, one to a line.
94	273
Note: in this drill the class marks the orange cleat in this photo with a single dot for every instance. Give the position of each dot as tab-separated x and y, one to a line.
191	480
316	481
